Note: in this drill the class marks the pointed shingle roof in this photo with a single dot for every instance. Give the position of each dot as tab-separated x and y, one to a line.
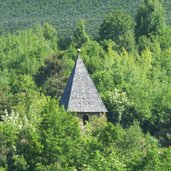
80	94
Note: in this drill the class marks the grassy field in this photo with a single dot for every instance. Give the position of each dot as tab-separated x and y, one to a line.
63	14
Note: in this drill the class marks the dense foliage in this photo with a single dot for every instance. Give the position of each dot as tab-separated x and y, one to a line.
132	72
64	14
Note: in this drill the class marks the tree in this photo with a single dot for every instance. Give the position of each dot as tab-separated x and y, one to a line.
51	76
80	36
119	26
10	126
115	24
150	18
6	97
59	135
119	106
40	135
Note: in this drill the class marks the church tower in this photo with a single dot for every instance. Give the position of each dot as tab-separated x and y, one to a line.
80	94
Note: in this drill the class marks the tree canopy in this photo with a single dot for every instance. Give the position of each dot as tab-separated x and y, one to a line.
132	72
150	18
119	27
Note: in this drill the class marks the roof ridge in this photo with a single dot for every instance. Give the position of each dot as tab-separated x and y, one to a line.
74	69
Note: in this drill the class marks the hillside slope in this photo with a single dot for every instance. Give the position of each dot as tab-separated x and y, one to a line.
19	14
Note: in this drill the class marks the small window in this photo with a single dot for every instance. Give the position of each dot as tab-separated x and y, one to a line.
85	119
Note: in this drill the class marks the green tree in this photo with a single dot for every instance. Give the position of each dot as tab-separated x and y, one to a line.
115	24
10	127
80	36
150	18
51	77
51	137
119	106
119	26
6	97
